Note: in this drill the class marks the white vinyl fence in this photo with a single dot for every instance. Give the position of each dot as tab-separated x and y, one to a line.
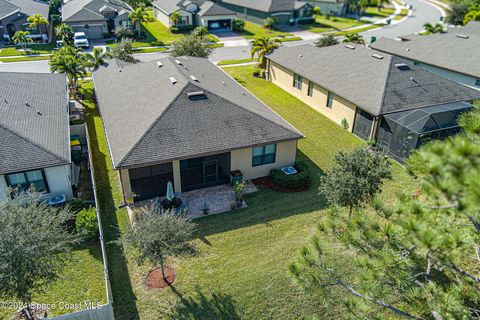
104	312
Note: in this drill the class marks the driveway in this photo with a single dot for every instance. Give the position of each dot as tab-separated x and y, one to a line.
231	39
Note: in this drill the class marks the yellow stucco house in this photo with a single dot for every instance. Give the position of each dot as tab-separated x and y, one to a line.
374	95
184	120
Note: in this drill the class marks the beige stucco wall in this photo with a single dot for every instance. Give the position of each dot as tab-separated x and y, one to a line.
341	108
242	160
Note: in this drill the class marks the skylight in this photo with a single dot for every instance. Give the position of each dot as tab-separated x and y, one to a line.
173	80
463	36
159	64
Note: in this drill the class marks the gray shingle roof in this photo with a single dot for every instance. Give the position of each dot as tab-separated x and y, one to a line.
209	8
268	5
446	50
90	10
157	122
375	85
28	7
29	140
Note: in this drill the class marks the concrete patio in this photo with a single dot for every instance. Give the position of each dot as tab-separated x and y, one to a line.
218	198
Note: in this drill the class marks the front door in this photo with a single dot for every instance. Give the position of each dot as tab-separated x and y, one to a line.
210	172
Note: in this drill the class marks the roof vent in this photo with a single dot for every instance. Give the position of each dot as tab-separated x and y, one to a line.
193	77
195	94
349	46
408	49
39	112
463	36
173	80
243	93
27	104
377	56
159	64
224	83
178	62
300	56
402	66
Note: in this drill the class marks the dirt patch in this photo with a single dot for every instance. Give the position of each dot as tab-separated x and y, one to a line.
155	278
267	183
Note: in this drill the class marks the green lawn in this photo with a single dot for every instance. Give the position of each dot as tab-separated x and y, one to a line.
361	29
237	61
35	49
240	270
26	58
379	13
322	24
82	281
253	30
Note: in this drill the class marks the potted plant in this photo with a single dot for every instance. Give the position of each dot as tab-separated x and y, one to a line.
205	208
239	189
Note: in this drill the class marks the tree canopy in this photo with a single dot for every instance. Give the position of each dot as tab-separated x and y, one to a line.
193	46
326	41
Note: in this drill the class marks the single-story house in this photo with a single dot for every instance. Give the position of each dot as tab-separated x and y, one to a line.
189	123
454	55
330	7
194	14
286	11
364	90
97	18
34	134
13	18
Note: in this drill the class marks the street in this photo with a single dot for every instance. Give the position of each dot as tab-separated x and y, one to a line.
422	13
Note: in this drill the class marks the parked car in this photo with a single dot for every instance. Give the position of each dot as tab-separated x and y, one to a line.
80	39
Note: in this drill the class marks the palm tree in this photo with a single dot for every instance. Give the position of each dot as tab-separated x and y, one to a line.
438	28
21	37
69	61
353	37
263	46
64	32
36	21
96	59
139	16
175	17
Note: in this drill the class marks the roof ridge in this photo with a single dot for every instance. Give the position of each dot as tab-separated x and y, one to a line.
32	142
382	101
152	125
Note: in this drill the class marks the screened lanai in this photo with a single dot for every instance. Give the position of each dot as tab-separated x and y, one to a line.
402	132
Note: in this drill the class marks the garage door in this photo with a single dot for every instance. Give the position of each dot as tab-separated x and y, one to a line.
220	25
92	32
283	18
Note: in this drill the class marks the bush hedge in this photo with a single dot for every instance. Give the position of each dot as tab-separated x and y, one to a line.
306	20
86	223
301	180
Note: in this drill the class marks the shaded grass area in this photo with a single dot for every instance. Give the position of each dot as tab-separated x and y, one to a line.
34	49
240	270
378	12
26	58
253	30
290	39
82	281
324	24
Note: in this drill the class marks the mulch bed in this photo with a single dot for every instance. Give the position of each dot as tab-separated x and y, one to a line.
267	183
155	279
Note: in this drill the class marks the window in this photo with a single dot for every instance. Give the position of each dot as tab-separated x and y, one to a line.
477	83
330	100
297	81
264	155
310	88
24	180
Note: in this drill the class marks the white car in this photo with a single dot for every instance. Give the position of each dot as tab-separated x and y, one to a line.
80	40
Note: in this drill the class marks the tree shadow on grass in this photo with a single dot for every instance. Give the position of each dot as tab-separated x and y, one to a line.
123	296
266	206
216	306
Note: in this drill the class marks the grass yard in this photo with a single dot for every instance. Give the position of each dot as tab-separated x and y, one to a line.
82	281
237	61
362	29
34	49
240	270
253	30
322	24
26	58
379	13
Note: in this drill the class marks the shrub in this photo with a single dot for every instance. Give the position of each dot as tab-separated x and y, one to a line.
86	223
256	73
106	35
301	180
344	123
238	25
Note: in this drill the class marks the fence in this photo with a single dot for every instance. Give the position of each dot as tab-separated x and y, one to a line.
104	312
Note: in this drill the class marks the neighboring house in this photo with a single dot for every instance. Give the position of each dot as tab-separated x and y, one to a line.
97	18
13	18
454	55
372	94
330	7
286	11
189	123
194	14
34	134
